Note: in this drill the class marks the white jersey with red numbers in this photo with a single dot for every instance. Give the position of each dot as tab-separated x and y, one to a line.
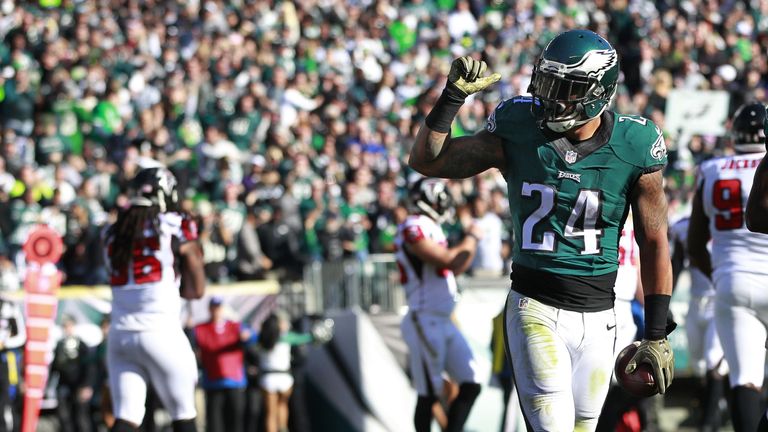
725	184
427	288
626	277
626	286
145	295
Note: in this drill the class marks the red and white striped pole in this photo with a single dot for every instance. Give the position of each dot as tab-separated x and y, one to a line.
43	249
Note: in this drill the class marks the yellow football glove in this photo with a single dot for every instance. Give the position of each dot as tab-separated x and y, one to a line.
466	74
658	354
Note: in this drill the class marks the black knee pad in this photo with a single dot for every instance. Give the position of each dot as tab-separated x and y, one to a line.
424	405
187	425
123	426
469	391
746	408
422	417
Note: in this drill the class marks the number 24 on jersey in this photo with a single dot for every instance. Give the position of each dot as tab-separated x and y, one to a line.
585	212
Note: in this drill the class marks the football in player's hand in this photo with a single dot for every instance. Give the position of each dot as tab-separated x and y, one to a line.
639	383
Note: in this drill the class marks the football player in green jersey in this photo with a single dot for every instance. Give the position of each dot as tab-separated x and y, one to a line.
757	204
574	169
757	216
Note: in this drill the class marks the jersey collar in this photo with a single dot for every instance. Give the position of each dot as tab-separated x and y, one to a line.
572	153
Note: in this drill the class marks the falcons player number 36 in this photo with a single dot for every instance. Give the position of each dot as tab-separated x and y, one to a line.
146	267
727	199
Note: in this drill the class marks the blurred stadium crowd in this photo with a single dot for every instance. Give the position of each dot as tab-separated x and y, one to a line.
288	122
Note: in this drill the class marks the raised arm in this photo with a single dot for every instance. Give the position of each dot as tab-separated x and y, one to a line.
698	237
757	204
435	153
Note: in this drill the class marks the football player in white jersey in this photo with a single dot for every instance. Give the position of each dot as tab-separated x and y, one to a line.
704	348
738	264
627	288
154	261
428	268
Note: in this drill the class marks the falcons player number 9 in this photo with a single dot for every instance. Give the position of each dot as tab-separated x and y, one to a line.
726	197
145	266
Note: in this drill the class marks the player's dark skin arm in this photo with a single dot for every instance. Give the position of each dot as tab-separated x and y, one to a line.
757	204
436	154
649	211
698	237
678	260
192	271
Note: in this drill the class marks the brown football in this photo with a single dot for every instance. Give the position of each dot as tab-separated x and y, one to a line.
639	383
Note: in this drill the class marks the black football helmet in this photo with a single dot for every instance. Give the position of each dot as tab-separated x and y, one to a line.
748	128
154	187
430	197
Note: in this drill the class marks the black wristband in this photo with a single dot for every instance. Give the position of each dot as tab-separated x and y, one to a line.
656	308
445	109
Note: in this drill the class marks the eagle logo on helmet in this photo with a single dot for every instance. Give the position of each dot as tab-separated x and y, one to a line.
594	64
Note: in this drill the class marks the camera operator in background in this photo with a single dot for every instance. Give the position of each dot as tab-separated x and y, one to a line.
13	335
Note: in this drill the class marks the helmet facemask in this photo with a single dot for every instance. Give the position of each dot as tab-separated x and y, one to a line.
561	99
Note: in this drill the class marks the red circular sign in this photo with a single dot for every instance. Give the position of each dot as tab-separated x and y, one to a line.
43	245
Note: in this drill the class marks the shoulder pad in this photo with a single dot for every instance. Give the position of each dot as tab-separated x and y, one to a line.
639	142
709	169
508	114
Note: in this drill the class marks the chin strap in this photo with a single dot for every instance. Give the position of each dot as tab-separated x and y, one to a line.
566	125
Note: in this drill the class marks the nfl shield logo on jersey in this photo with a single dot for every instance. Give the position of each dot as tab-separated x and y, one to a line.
522	303
570	156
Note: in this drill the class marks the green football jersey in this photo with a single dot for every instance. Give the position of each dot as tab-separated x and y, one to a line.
569	202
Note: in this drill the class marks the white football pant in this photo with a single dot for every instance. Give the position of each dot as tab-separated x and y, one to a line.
562	362
163	358
741	311
436	345
704	348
